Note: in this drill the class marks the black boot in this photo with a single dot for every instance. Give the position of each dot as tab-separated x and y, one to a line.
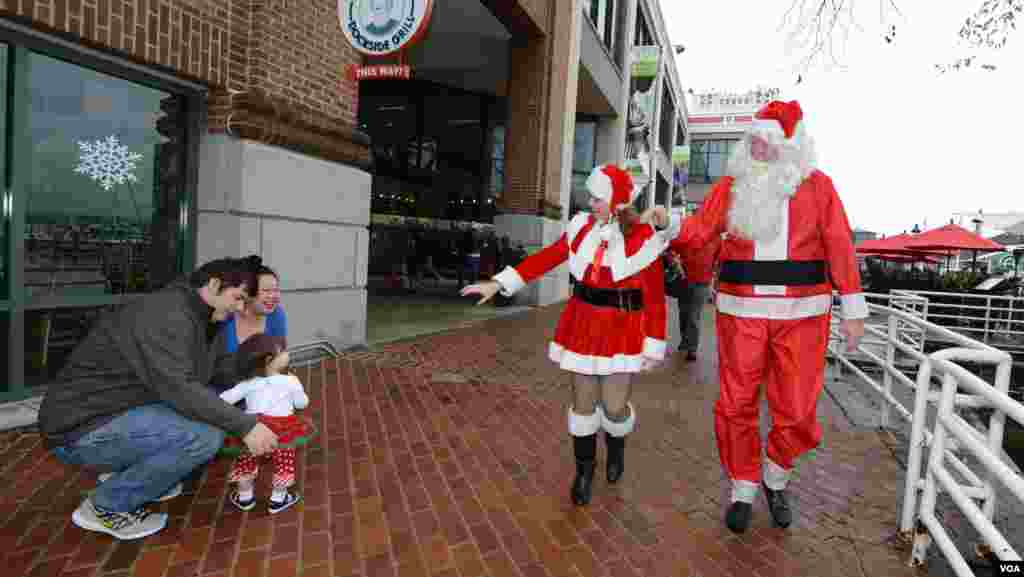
616	457
737	518
778	504
585	449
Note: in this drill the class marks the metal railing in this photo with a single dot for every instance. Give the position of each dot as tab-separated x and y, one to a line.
311	353
997	320
894	342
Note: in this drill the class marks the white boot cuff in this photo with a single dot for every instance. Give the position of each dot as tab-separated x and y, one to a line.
584	425
775	477
745	491
619	429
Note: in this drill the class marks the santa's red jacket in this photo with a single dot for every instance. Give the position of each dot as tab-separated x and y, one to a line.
791	277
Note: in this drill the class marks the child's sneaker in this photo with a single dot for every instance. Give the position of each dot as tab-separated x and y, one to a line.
289	500
171	493
243	505
125	526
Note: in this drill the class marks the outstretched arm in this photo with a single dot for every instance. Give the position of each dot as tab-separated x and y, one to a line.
512	279
708	223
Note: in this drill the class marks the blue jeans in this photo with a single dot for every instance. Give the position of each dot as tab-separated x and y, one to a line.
148	449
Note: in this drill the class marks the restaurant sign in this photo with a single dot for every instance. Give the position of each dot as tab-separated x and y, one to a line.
382	27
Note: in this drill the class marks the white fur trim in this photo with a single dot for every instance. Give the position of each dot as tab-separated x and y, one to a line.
593	365
510	281
654	348
745	491
853	306
774	249
619	429
584	425
776	308
623	266
599	184
584	254
775	477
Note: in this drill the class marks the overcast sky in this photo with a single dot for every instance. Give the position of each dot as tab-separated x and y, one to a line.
903	144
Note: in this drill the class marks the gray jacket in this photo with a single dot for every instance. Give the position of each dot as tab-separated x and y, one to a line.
160	348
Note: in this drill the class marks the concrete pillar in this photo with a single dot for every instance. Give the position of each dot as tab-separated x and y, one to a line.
308	218
538	167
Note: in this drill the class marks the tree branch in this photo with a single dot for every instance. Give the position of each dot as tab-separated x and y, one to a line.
813	25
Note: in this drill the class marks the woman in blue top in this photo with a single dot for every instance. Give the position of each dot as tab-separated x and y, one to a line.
262	314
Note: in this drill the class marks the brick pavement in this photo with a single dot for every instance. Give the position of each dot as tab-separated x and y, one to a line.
448	456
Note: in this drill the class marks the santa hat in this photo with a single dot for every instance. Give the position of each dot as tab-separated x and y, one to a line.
613	185
779	119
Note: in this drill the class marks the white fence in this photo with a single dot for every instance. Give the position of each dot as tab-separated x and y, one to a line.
894	342
995	320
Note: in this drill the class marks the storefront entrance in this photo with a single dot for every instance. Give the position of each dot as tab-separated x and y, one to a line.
98	162
438	169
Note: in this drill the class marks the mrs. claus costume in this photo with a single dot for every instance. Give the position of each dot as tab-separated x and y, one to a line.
615	318
786	245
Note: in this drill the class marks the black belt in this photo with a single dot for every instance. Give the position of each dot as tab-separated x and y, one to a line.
625	299
773	272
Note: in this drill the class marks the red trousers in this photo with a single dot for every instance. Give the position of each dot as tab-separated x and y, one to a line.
788	356
247	467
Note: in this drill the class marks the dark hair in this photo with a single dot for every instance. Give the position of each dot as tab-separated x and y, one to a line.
255	353
232	272
256	269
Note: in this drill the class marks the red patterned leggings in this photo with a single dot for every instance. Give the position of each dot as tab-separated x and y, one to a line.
247	467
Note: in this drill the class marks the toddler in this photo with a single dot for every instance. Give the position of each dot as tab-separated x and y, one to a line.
274	395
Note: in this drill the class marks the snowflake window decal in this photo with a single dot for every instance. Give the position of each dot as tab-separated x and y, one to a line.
107	162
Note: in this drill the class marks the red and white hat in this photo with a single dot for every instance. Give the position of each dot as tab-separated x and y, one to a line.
779	121
613	185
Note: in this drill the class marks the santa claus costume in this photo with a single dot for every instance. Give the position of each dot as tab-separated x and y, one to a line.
786	244
612	326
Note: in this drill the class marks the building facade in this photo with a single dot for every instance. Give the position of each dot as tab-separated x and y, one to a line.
717	120
142	137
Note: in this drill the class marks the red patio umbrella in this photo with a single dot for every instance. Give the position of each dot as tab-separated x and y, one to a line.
953	237
896	244
883	245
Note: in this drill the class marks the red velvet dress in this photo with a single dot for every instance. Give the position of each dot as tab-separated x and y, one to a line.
600	340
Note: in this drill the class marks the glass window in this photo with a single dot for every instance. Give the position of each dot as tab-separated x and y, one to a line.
584	142
583	147
498	160
708	159
107	173
106	182
5	351
4	199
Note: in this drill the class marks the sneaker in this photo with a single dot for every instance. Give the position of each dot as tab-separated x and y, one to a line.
243	505
125	526
171	493
289	500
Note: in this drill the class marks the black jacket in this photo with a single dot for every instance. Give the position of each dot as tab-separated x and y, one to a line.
158	349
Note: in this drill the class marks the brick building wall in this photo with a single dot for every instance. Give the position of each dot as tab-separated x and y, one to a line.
275	68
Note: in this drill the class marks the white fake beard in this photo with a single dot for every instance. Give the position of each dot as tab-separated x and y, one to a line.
757	199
